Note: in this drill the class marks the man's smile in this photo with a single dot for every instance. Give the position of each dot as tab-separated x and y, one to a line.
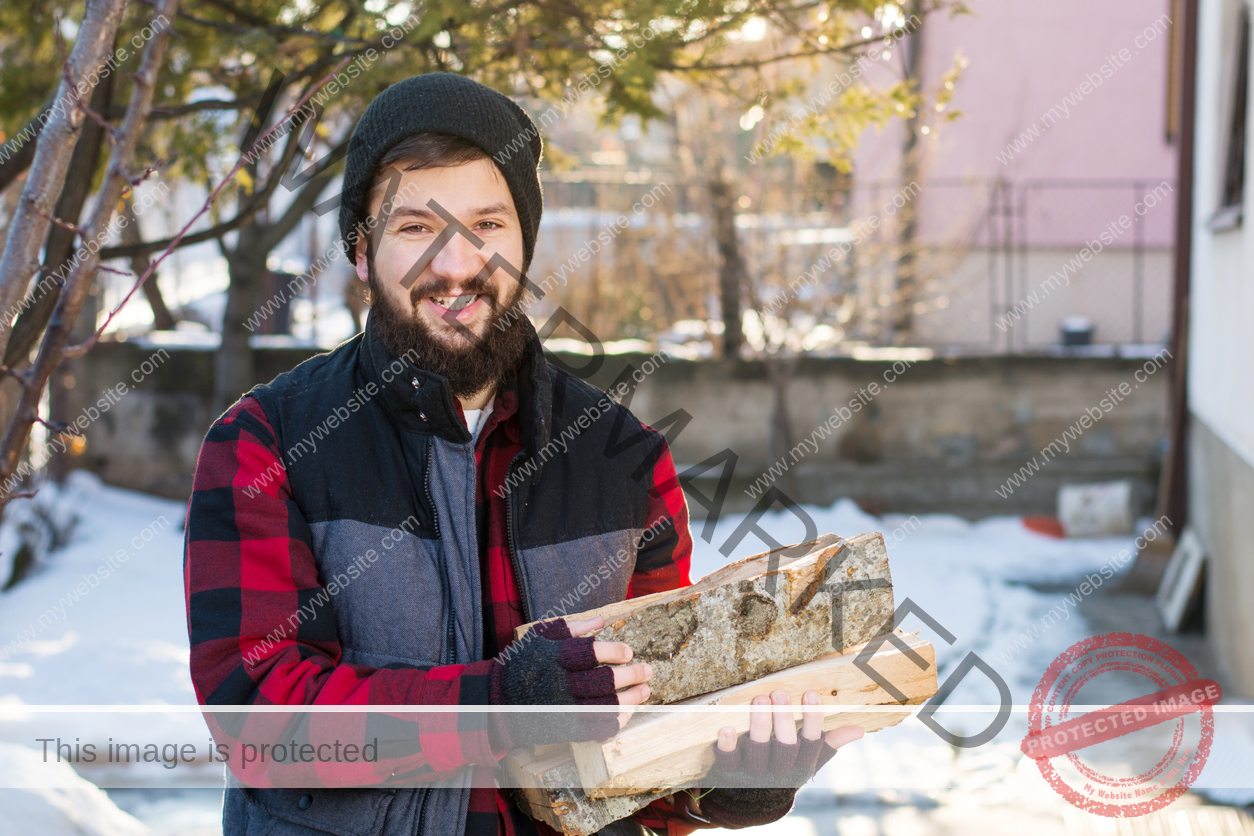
463	308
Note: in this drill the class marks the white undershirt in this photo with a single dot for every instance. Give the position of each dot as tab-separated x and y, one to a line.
475	419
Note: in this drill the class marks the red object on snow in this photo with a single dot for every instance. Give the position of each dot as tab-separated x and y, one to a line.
1049	526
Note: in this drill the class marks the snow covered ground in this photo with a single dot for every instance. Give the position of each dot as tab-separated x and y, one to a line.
70	635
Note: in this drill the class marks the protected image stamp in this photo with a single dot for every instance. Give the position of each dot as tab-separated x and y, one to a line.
1056	732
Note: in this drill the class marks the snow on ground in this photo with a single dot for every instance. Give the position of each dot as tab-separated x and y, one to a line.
970	577
102	621
124	640
78	808
111	635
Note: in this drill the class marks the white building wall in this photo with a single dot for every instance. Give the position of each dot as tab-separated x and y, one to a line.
1221	309
1221	358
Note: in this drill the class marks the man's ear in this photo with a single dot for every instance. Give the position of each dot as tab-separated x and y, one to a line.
363	269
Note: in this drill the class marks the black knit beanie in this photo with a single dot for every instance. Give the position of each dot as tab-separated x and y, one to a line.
445	103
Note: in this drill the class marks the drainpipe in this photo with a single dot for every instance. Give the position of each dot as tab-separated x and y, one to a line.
1173	482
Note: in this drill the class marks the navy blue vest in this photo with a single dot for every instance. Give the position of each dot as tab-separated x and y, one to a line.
397	463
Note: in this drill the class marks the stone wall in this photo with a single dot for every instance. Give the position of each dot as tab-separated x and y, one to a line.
928	435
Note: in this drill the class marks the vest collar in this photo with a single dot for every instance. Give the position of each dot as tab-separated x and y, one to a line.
422	401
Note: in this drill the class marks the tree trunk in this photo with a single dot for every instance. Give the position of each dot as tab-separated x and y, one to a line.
15	165
69	387
54	346
20	258
58	251
235	367
907	283
731	269
162	319
60	247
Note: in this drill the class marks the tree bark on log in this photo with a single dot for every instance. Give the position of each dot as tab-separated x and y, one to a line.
759	615
661	753
546	787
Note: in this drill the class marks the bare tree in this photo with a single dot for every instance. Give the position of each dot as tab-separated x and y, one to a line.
26	235
37	307
52	349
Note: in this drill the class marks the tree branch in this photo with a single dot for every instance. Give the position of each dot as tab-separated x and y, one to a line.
79	350
223	26
305	199
755	63
256	201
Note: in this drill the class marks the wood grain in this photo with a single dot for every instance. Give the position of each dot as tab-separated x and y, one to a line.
658	750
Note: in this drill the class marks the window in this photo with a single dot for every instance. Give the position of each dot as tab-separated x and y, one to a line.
1229	214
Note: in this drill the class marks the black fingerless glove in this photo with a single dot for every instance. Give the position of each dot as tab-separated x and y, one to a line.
549	667
756	783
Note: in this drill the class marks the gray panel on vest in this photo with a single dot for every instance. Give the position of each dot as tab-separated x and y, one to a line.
392	610
602	563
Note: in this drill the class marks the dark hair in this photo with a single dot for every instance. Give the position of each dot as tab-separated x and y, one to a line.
428	150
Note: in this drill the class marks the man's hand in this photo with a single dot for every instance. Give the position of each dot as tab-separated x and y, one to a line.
761	723
557	664
629	680
755	782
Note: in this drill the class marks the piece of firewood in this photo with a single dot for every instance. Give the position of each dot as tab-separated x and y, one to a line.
547	788
661	749
749	618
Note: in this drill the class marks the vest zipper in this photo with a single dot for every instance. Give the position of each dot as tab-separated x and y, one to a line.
513	542
451	655
422	811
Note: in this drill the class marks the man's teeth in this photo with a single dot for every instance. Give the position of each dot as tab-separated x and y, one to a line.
454	303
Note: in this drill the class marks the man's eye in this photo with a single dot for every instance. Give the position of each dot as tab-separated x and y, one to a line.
412	228
490	225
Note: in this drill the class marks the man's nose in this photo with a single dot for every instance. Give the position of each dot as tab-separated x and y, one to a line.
459	259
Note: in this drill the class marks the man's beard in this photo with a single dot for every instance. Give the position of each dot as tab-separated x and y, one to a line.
478	364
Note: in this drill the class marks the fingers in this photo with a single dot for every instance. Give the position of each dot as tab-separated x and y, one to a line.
845	734
612	653
629	699
811	718
585	625
727	739
783	721
760	720
628	675
635	695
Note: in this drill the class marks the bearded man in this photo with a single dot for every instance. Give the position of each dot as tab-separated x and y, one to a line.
370	527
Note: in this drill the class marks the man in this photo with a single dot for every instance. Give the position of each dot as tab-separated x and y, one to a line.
370	527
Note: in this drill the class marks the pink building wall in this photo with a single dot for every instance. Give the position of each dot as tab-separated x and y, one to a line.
1088	156
1026	57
